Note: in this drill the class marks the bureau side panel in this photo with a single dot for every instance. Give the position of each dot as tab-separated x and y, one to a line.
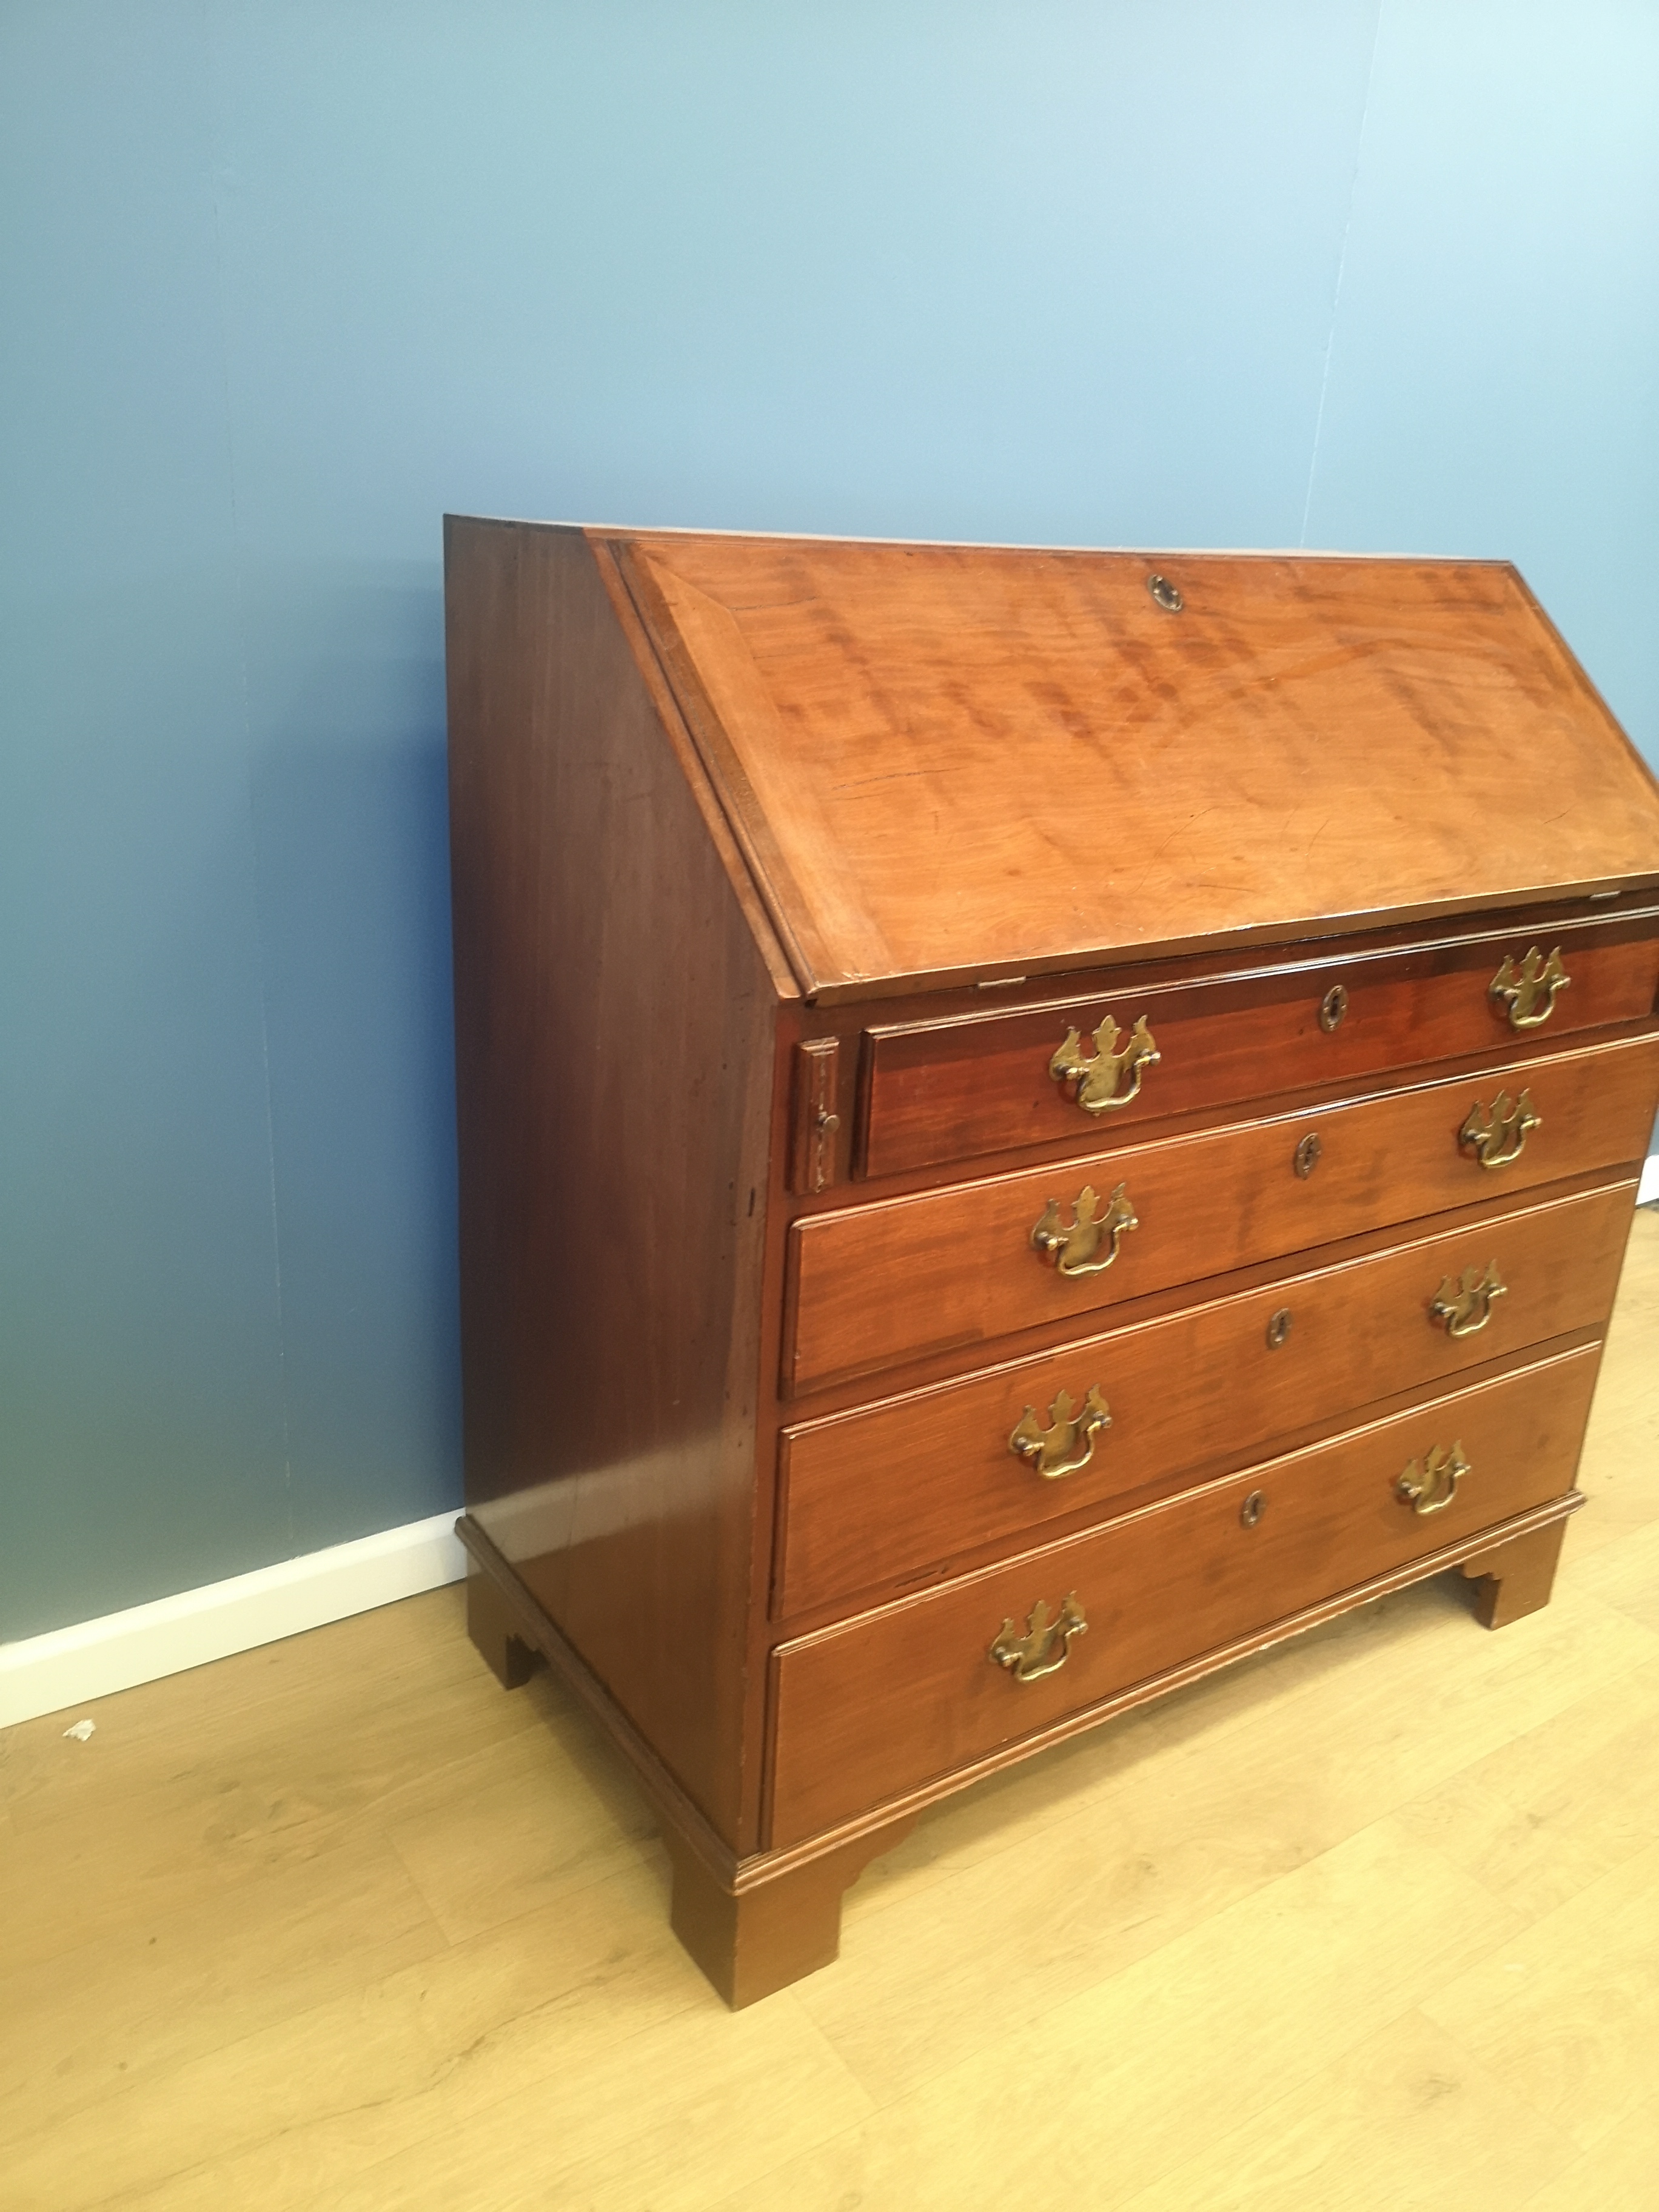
616	1029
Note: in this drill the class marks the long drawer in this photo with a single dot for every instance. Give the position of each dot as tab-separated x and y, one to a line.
888	1491
873	1284
878	1705
948	1090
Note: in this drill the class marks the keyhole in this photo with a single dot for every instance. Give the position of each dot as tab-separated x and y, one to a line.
1307	1156
1253	1507
1278	1329
1332	1008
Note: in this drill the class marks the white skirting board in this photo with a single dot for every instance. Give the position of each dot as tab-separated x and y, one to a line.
1647	1191
73	1666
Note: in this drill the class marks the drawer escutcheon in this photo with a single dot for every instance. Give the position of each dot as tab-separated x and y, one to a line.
1067	1444
1100	1077
1497	1134
1462	1304
1046	1645
1429	1484
1520	990
1077	1251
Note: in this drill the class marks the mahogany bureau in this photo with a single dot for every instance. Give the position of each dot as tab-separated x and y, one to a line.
1030	1123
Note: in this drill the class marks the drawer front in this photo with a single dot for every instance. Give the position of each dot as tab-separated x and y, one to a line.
865	1711
936	1092
889	1491
870	1286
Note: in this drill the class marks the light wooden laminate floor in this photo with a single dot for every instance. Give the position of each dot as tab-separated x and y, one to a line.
1370	1922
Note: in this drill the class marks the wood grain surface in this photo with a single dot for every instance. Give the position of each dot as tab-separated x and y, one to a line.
935	1090
945	758
898	1490
956	1267
616	1023
863	1711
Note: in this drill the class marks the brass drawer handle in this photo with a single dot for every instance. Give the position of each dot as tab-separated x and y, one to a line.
1463	1305
1077	1251
1067	1444
1497	1134
1100	1076
1429	1484
1520	989
1043	1648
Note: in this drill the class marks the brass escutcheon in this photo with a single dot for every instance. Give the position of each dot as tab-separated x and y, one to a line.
1429	1484
1106	1078
1306	1159
1253	1507
1463	1305
1497	1134
1167	595
1279	1328
1043	1650
1520	989
1067	1444
1077	1251
1332	1007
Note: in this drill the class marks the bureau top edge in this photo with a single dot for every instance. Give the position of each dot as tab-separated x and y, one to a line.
1310	940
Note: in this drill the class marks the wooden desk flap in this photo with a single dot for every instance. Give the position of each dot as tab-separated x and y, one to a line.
947	761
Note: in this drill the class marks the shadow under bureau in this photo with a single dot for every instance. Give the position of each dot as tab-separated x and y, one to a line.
1030	1123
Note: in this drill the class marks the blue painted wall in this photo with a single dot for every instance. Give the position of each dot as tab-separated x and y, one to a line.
281	280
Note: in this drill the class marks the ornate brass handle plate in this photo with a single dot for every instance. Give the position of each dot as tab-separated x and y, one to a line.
1067	1444
1528	991
1045	1645
1429	1484
1464	1304
1497	1134
1106	1078
1089	1245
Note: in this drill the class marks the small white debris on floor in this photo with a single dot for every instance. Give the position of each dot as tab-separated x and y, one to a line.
81	1730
